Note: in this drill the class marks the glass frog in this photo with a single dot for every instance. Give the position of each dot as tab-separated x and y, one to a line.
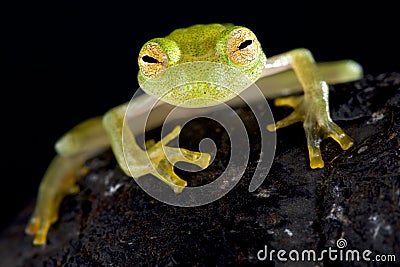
229	45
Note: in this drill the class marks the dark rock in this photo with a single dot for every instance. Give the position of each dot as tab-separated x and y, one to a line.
356	197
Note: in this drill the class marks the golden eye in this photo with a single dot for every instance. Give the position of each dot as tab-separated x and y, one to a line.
242	46
153	60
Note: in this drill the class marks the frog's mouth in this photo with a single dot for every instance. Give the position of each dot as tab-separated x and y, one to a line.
197	84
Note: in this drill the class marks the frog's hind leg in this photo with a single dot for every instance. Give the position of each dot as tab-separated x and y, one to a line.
274	84
74	148
58	181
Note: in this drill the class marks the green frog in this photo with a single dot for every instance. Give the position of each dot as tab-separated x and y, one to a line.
233	46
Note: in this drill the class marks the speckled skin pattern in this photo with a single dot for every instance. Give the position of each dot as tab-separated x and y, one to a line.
199	66
202	44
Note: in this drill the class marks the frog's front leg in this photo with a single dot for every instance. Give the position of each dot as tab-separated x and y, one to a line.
157	159
312	108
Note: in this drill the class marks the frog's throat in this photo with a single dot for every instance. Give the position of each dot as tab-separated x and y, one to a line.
198	84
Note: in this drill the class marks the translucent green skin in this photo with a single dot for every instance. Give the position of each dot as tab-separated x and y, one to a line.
199	43
204	43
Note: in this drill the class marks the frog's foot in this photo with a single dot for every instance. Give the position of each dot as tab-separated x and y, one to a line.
296	116
317	125
318	129
45	214
39	225
163	159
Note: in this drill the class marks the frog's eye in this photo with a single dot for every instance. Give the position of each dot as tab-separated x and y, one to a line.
153	60
242	46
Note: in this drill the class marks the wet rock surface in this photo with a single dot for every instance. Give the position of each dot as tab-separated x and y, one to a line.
355	198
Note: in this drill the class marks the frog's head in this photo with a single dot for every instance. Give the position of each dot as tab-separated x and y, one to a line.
202	65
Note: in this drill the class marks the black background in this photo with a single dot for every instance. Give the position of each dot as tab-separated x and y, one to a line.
67	61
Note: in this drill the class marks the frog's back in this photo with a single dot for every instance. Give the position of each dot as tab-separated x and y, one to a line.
197	42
